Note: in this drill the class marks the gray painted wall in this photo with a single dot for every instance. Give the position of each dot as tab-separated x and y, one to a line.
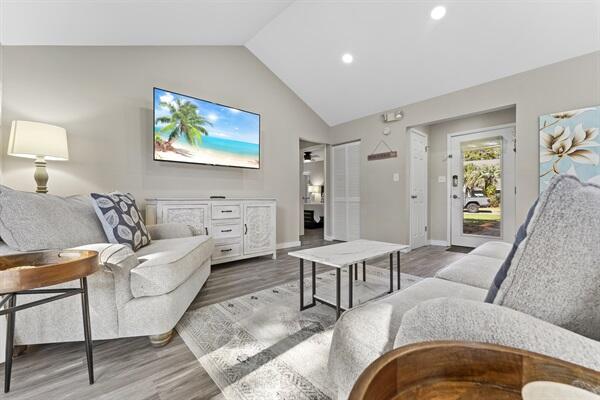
437	165
566	85
103	97
317	170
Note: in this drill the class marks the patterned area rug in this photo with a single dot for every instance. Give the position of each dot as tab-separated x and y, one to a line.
260	346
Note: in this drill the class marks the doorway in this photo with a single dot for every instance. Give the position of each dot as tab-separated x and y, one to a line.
481	186
313	172
418	189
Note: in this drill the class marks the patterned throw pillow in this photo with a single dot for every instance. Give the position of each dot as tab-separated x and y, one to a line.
121	219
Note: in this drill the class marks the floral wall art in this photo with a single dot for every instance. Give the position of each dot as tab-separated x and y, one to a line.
570	144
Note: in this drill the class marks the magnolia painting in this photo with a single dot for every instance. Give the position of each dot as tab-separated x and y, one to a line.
569	144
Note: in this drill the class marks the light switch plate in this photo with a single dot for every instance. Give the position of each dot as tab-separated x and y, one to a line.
441	179
396	177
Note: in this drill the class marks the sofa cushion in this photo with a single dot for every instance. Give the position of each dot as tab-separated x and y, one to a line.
520	238
364	333
494	249
555	271
166	264
121	219
469	321
472	269
37	221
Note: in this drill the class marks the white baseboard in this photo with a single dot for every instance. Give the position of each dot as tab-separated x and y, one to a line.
287	245
439	243
328	238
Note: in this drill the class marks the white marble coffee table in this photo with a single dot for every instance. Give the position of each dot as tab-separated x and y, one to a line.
346	255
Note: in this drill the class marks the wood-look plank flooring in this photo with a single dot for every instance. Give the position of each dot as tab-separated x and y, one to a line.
131	369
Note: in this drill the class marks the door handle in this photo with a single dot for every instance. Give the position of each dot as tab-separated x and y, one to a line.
245	229
454	196
206	230
414	196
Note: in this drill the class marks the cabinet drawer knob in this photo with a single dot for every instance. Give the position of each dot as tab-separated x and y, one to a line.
226	211
225	250
225	230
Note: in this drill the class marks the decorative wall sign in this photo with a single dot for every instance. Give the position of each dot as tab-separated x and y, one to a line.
569	144
384	155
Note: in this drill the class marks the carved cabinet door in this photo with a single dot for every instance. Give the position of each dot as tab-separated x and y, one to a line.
195	215
259	227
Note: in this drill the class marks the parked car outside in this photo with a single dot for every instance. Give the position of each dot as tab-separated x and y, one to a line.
475	202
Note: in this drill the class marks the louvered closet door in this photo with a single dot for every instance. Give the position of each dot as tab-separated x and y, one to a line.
346	191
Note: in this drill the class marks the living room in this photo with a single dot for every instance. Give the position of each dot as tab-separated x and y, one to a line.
167	143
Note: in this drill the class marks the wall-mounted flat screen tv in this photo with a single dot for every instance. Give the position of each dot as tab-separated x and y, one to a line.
191	130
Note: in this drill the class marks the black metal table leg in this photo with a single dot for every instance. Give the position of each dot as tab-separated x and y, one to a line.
398	267
338	284
10	334
355	271
364	271
350	285
301	284
87	331
314	282
391	272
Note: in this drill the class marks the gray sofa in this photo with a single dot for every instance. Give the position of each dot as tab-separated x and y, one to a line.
549	302
134	294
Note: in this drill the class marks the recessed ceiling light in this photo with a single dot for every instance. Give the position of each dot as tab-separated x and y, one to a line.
347	58
438	12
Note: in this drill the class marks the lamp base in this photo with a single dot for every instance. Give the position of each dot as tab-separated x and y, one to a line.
41	175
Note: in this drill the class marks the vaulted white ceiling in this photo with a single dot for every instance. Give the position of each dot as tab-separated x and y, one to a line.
401	55
135	22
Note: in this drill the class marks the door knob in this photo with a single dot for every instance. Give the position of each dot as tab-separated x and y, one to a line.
454	196
414	196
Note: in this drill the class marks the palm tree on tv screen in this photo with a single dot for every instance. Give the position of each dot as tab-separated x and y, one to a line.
184	122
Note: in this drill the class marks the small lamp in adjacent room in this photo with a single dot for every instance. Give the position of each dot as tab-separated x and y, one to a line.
315	190
41	142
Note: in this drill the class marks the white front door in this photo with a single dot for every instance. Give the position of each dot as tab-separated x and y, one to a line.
418	189
482	186
346	191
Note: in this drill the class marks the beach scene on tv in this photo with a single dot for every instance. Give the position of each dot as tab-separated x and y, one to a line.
191	130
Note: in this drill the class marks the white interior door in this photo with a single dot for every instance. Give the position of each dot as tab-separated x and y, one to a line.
346	191
482	187
418	189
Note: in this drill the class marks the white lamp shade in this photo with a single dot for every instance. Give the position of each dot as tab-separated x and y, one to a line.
35	139
314	188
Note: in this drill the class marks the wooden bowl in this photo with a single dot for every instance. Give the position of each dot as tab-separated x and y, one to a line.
45	268
464	371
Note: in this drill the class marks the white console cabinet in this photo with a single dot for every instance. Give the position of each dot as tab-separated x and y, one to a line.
241	228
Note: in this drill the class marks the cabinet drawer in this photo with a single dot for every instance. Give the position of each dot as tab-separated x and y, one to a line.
227	250
222	211
224	230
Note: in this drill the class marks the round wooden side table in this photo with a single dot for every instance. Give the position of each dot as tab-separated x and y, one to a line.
464	371
28	272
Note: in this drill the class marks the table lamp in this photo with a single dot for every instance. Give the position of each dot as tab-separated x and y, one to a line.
314	190
41	142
